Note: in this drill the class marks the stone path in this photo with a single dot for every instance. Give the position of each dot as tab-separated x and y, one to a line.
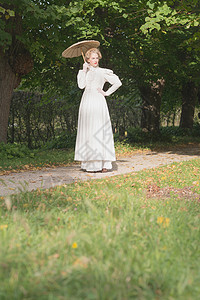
50	177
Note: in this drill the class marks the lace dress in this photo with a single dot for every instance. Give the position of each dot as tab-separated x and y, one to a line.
94	141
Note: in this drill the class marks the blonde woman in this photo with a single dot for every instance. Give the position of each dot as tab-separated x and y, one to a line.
94	141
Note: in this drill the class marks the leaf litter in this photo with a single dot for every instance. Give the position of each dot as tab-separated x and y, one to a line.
186	193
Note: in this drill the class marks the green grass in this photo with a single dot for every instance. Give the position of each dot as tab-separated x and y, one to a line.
42	158
134	236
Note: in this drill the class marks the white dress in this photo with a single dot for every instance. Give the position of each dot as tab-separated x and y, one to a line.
94	141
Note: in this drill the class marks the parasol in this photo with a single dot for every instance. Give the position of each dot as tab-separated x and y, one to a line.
80	48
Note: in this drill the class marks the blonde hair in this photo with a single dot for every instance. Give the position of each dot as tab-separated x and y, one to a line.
92	50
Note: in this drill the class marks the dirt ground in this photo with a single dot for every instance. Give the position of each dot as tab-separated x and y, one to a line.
50	177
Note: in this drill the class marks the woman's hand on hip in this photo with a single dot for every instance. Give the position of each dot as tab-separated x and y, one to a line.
101	92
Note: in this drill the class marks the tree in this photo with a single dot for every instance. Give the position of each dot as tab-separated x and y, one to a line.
189	98
15	61
29	32
140	40
143	40
179	23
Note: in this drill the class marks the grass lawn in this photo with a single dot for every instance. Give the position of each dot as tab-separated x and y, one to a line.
134	236
42	158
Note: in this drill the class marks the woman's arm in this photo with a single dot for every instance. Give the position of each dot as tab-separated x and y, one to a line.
113	80
81	77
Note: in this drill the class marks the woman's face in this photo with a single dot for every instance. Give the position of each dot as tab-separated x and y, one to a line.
93	60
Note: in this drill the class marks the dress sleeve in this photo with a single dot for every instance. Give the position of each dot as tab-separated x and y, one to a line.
113	80
81	79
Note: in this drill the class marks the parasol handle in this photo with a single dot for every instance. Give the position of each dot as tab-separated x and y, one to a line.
83	55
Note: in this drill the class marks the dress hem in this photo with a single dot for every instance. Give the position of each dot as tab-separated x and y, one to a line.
96	165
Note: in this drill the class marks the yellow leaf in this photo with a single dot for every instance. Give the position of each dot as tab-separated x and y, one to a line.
160	220
74	245
3	226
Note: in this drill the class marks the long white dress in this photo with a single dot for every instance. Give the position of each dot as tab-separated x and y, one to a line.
94	141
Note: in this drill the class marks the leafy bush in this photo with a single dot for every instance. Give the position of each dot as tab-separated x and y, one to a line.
9	151
182	132
166	134
175	131
63	141
137	135
196	130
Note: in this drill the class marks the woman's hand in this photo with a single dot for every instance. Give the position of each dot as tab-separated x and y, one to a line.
85	67
101	92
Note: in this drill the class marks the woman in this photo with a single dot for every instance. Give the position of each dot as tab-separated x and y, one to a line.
94	141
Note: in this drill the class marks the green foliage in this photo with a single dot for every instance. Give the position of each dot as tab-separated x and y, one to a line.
166	135
11	151
148	58
195	130
63	141
6	12
163	17
137	135
42	158
142	41
181	132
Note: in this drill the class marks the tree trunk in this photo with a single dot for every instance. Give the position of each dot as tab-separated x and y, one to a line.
189	97
15	61
12	124
151	96
8	81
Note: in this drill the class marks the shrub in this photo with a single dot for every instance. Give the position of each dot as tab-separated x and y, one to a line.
166	134
182	132
196	130
9	151
137	135
63	141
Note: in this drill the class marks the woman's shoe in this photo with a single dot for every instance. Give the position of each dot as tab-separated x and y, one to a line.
104	170
93	171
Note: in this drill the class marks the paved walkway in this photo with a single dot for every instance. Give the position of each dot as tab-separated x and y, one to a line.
50	177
